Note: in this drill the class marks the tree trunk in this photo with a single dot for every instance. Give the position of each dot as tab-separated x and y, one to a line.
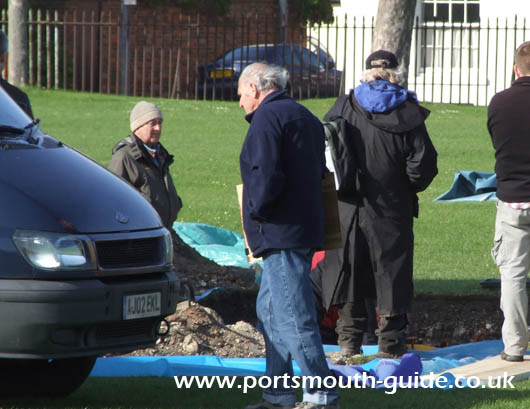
284	12
18	42
393	29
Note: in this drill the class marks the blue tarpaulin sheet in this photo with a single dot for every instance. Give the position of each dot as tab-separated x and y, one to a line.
471	185
435	361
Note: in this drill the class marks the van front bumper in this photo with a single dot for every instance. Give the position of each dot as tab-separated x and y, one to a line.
62	319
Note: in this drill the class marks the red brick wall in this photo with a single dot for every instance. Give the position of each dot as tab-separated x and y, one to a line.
157	37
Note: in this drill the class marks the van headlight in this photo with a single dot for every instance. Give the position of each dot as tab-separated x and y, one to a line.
168	251
54	251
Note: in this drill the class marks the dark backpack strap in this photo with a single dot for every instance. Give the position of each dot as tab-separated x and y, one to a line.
340	141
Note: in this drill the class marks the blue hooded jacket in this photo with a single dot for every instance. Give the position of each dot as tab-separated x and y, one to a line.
381	96
282	164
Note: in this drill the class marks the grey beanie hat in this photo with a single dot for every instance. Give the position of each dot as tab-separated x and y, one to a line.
142	113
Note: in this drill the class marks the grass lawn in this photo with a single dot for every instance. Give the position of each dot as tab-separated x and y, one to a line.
453	241
154	393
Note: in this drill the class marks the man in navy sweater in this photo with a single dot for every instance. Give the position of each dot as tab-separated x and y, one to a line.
509	127
282	165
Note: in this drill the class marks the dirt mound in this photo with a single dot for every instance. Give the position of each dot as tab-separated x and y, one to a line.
451	320
202	273
198	330
223	323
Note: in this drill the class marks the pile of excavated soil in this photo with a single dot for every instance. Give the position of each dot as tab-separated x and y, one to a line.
223	323
198	330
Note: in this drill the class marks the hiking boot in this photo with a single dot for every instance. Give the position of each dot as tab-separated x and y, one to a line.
511	358
389	355
392	336
267	405
309	405
394	353
350	350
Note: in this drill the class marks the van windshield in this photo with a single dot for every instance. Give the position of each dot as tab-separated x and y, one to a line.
11	115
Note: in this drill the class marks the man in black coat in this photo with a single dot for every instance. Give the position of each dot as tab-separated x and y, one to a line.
509	127
393	159
18	96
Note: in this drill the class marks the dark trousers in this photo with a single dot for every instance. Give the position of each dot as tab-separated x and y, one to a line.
353	323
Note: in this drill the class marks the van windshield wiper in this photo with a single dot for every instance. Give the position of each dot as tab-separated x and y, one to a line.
6	129
31	126
36	121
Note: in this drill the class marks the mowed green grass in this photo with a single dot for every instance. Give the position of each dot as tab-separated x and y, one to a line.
453	241
161	393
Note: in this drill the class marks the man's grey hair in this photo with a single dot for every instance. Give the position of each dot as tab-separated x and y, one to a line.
395	76
265	76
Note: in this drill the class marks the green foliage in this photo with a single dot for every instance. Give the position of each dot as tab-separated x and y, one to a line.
311	11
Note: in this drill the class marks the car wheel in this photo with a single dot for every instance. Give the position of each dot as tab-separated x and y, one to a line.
41	377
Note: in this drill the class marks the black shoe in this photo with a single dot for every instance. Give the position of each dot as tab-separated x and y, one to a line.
511	358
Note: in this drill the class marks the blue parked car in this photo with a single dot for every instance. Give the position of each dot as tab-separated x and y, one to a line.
312	73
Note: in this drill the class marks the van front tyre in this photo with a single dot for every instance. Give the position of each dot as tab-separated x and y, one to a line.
39	377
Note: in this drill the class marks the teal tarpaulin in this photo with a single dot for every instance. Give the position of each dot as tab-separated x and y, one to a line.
223	246
471	185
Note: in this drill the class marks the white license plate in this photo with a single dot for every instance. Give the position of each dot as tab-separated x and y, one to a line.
141	306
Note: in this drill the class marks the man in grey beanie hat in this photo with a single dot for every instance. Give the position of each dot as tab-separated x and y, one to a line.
142	161
18	96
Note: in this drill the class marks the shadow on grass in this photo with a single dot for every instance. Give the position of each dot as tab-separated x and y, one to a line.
455	287
136	393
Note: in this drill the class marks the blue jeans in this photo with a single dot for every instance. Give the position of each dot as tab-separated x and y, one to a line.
287	318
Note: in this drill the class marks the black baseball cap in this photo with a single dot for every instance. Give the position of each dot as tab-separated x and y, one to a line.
389	60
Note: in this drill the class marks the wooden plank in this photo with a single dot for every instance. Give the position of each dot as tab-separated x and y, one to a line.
491	368
250	256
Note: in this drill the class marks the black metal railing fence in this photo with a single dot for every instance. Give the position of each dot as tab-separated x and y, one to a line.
185	56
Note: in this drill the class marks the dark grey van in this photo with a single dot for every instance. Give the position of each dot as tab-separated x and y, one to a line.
85	263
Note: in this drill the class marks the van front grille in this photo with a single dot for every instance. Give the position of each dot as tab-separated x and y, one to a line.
129	253
143	328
